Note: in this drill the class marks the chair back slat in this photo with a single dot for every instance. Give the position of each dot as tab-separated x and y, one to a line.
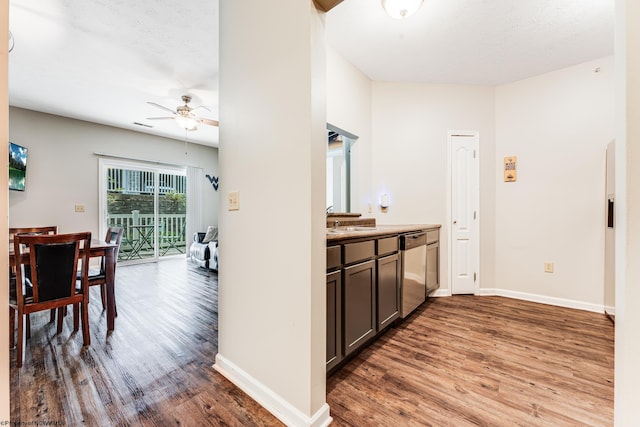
114	235
13	231
51	229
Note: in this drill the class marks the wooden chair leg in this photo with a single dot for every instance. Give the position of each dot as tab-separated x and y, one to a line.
76	317
28	320
20	344
103	297
86	337
52	315
12	327
60	319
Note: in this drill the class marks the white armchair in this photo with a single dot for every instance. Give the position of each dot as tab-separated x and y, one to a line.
204	249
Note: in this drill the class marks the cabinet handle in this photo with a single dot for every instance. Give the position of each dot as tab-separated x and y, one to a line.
455	222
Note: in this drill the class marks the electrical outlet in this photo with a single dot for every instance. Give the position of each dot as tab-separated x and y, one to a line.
233	201
79	208
548	267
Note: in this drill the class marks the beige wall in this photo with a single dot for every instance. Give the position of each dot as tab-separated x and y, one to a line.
627	108
558	125
62	169
564	117
4	254
409	161
272	286
349	108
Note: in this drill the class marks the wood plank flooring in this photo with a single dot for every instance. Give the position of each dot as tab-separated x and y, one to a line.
458	361
153	370
482	361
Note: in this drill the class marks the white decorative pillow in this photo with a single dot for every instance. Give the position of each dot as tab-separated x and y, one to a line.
212	234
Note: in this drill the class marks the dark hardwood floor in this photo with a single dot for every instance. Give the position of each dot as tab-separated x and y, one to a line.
153	370
458	361
482	361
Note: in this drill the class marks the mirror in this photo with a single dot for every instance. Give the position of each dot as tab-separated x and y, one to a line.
339	143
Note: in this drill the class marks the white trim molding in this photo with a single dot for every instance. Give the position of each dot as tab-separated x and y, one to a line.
271	401
560	302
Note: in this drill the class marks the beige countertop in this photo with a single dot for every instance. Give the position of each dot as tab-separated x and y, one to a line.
356	232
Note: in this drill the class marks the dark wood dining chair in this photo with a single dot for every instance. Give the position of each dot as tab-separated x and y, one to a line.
47	230
99	276
52	261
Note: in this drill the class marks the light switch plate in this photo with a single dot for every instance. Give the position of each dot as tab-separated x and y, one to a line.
79	208
548	267
233	201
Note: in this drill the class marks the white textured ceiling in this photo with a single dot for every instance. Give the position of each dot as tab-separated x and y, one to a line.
485	42
102	60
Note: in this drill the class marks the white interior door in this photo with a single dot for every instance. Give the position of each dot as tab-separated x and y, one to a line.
464	212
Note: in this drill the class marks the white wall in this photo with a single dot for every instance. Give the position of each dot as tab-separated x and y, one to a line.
272	286
349	108
409	161
627	81
558	125
62	169
4	184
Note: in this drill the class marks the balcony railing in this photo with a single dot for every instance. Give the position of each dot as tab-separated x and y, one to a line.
171	234
142	182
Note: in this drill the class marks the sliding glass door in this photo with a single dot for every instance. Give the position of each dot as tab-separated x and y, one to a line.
149	202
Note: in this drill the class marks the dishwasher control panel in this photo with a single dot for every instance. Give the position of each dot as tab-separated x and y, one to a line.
412	240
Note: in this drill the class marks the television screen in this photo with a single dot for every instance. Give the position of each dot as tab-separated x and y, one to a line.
17	166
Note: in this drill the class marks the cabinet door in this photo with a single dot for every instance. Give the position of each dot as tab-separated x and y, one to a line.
359	304
433	268
388	290
334	319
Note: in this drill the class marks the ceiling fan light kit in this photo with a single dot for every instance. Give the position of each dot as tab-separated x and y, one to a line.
401	9
184	115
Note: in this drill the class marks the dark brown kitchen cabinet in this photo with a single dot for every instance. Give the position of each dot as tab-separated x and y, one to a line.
388	290
334	318
359	305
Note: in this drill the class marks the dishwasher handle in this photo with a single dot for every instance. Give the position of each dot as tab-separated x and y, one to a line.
412	240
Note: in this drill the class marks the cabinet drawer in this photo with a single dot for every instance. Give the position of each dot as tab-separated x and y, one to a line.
354	252
432	236
387	245
333	257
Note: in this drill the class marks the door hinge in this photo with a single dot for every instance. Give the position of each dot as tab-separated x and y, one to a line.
474	214
474	277
474	154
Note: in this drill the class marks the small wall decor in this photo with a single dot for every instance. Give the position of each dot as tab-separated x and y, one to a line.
213	180
510	169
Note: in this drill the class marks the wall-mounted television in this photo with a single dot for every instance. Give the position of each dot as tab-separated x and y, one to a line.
17	167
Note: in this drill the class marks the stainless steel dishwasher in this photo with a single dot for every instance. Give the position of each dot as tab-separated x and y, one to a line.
413	255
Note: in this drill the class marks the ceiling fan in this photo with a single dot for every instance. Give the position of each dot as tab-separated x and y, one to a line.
184	115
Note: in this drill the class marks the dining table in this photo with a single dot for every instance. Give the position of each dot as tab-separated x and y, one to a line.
99	248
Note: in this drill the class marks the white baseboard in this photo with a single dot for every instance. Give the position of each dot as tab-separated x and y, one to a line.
441	293
560	302
610	310
271	401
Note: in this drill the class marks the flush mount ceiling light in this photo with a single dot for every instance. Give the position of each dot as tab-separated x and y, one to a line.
401	9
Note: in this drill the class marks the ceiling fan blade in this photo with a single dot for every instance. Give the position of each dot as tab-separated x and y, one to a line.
161	106
208	122
160	118
200	106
